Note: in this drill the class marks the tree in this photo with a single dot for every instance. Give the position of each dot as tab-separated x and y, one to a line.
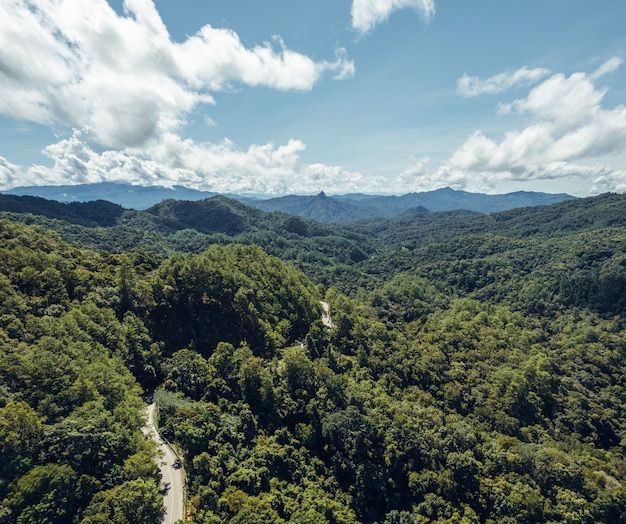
45	494
133	502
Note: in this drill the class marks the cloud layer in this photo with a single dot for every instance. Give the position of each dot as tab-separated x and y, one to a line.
568	135
125	89
568	131
262	169
568	123
79	64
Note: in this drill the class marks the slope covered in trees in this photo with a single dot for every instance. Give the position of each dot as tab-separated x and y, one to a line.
81	331
473	371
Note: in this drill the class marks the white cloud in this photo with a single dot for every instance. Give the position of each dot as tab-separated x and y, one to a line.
126	88
216	57
9	173
609	66
79	64
473	86
609	181
568	128
596	178
411	177
569	137
368	13
172	161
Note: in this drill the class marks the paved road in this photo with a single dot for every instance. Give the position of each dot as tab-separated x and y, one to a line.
172	477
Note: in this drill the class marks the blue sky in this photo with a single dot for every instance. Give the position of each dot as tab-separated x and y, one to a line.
280	97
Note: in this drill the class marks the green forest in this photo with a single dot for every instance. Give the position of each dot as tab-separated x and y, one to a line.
473	369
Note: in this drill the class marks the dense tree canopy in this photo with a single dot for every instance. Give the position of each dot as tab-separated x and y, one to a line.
472	372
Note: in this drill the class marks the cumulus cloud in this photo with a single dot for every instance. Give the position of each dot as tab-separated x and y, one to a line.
9	173
470	86
215	58
611	180
570	136
368	13
597	178
79	64
411	177
220	167
125	87
568	128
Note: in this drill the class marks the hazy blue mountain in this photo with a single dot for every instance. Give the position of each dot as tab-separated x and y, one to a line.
321	207
318	207
447	199
346	208
126	195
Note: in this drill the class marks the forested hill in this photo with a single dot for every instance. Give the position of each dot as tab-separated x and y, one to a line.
217	214
175	225
348	208
573	216
472	372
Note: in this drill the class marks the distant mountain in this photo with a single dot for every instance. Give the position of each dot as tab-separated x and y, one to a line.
174	225
563	218
321	207
179	225
126	195
354	207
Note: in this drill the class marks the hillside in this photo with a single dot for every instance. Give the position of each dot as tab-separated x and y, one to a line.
217	214
603	211
321	207
473	371
193	226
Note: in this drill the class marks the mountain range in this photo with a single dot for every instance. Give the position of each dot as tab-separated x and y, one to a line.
126	195
320	207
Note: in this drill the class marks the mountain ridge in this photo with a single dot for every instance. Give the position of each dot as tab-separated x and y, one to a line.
320	207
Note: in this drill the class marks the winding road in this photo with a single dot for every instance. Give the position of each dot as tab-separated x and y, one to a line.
172	473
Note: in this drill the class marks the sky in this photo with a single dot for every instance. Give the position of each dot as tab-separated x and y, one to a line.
296	97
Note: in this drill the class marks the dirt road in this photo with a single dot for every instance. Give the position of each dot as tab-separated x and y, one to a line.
326	315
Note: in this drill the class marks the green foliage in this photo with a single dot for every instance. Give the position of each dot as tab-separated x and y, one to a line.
133	502
231	294
70	409
45	494
472	370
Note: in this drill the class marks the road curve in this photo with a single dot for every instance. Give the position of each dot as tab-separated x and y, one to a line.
172	473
